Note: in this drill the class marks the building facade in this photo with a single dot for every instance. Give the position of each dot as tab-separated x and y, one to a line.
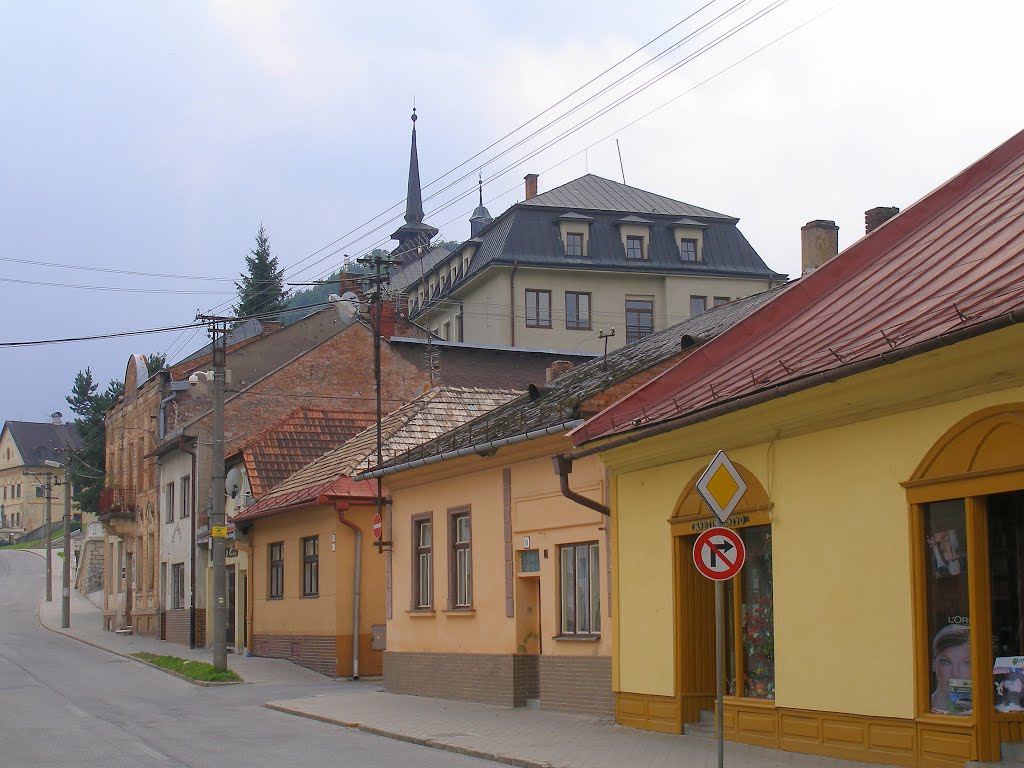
25	447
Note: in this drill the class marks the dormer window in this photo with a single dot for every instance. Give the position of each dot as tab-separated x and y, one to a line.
574	244
688	249
635	247
689	233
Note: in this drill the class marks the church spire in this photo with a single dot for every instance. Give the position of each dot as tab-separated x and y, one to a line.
414	236
481	216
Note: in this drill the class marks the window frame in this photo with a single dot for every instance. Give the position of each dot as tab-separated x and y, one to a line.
416	551
169	502
573	322
177	585
720	301
684	251
537	321
594	577
456	559
574	241
635	240
185	507
311	567
703	301
275	568
638	332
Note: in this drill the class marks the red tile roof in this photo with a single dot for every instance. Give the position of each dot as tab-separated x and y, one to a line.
950	262
301	437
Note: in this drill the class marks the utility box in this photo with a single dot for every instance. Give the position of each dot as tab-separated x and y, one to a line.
379	637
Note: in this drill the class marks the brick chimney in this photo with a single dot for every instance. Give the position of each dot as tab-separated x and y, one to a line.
819	242
387	319
876	217
531	185
557	368
348	281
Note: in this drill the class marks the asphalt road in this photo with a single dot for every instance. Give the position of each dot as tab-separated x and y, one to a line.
64	703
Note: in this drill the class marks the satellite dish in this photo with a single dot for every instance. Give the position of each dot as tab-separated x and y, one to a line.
233	482
347	304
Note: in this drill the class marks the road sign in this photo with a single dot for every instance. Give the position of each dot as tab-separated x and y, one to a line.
719	553
218	531
378	526
721	486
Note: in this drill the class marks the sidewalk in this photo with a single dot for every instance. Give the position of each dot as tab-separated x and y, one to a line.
87	626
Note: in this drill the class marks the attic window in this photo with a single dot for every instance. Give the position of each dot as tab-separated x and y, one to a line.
574	244
634	247
688	249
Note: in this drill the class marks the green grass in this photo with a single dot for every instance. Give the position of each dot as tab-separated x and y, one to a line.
195	670
58	536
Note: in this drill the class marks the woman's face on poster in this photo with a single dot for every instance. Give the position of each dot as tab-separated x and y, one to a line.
953	663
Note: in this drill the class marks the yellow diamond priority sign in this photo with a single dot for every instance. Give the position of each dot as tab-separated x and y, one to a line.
721	486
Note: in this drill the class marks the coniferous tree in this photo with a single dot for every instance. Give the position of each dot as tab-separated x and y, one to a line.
87	465
261	291
155	361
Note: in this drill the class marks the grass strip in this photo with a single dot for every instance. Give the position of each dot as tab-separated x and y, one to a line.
195	670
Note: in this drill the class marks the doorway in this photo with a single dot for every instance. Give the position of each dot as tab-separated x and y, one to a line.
229	583
696	620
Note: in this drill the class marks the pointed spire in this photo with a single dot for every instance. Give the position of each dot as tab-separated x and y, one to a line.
481	216
414	198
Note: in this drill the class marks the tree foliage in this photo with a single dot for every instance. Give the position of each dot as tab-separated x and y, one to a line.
87	465
261	291
155	362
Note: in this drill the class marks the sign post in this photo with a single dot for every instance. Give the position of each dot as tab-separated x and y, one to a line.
718	554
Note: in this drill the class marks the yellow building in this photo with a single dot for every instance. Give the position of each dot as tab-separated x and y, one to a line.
318	591
500	575
875	409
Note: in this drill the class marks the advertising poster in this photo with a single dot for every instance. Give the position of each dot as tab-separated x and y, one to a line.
1008	674
951	665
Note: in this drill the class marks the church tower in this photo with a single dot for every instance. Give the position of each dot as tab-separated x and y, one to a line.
414	236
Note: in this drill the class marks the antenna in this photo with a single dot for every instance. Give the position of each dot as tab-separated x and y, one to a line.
621	168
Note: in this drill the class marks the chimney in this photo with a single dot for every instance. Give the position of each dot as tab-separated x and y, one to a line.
876	217
55	418
531	185
387	319
348	281
819	242
557	368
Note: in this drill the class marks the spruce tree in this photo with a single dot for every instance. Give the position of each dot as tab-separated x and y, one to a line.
88	464
261	291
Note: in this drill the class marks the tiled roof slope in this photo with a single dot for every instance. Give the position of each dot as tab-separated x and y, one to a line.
302	436
595	193
953	260
429	415
39	442
564	398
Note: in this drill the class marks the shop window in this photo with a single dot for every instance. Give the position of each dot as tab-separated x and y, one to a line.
581	589
948	607
750	624
1006	546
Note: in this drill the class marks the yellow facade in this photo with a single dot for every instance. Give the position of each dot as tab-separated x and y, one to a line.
834	463
327	616
24	506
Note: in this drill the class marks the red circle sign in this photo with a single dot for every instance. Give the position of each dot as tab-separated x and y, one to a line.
719	553
378	525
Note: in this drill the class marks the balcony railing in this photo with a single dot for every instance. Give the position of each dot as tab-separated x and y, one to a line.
118	501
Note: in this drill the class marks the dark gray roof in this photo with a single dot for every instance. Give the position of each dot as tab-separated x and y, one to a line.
411	272
595	193
38	442
560	399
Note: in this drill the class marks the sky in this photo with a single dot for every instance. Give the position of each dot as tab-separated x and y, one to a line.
157	137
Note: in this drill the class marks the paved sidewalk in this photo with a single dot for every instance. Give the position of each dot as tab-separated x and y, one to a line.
87	626
530	738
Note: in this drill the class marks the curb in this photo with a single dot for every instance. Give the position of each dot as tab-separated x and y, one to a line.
420	741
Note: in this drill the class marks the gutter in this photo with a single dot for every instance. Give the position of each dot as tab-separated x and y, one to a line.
481	449
342	507
1013	317
563	467
192	548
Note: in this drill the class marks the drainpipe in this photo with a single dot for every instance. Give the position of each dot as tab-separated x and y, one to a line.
512	302
163	415
192	548
563	468
341	507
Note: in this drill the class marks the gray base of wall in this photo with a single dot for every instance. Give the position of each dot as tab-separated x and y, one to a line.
578	684
504	679
312	652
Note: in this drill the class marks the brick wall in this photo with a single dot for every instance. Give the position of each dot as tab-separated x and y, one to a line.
504	679
316	653
578	684
176	626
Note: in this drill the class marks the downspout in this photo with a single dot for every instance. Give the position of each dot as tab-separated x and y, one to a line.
163	415
192	548
341	507
512	302
563	467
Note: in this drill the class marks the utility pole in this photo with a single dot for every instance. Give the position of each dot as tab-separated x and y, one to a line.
49	540
65	594
218	525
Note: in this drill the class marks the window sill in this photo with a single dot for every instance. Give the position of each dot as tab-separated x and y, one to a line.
311	597
459	612
276	597
578	638
543	327
421	612
578	328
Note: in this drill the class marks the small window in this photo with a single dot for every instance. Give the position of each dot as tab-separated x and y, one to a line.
276	587
423	568
639	319
311	566
688	249
446	331
178	585
698	304
460	591
581	589
574	244
529	561
538	309
19	490
41	491
577	311
634	247
721	300
169	503
186	496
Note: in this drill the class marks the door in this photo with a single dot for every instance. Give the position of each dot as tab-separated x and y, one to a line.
229	622
244	579
528	636
696	622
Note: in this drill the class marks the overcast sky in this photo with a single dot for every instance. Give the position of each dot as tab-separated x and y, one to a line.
156	137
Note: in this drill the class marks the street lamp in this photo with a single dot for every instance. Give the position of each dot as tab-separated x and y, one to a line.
65	595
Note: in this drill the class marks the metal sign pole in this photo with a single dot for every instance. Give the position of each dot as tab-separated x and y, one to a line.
719	637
